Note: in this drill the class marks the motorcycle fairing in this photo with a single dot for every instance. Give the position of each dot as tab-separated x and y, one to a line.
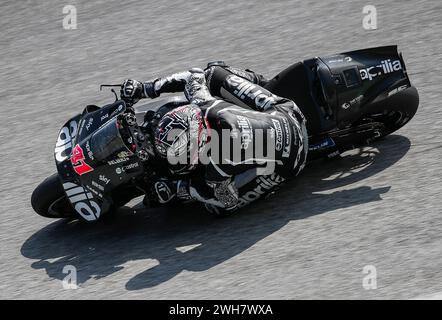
355	79
92	142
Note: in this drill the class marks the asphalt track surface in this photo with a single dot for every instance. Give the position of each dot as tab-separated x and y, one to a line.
378	206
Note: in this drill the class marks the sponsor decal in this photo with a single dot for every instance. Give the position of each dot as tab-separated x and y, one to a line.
351	103
287	141
89	123
265	184
133	165
78	163
385	67
119	109
64	141
278	131
117	161
398	89
82	201
246	131
124	154
94	191
103	179
245	89
89	151
327	143
340	59
97	185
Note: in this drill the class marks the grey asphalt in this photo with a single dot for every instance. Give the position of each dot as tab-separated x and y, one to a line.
379	206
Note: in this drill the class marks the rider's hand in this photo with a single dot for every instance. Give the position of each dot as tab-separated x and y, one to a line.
132	90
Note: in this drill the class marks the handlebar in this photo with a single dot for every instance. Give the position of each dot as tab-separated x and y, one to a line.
128	101
109	85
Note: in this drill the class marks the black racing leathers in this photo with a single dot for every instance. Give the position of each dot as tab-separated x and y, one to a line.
261	139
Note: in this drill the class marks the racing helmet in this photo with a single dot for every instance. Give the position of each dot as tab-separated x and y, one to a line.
179	136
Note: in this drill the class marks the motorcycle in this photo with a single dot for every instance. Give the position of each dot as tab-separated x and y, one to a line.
105	156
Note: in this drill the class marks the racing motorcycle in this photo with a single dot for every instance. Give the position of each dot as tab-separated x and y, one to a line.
105	156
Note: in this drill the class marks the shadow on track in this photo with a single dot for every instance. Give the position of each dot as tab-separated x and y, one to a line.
103	249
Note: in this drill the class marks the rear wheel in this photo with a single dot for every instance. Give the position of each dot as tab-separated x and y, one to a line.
384	118
391	120
50	201
397	111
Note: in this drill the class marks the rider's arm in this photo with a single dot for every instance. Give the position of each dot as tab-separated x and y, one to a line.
134	90
173	83
176	82
215	72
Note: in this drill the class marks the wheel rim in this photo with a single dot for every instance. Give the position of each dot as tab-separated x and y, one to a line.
392	120
60	208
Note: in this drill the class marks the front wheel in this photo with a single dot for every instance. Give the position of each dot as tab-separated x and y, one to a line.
50	201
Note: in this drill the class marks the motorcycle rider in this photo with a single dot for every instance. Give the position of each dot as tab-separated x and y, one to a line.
224	98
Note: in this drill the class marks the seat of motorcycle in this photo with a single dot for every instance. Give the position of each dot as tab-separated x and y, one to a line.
293	83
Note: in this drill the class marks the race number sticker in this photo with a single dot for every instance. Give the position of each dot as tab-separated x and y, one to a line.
77	160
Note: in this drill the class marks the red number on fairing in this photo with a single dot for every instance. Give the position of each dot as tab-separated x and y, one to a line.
77	160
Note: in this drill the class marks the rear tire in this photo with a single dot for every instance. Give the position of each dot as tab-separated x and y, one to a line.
396	112
50	201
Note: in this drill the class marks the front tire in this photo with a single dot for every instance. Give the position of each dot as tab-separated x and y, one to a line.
50	201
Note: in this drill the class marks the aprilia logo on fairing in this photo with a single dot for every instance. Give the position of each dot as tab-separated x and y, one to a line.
82	201
244	88
385	67
64	141
265	184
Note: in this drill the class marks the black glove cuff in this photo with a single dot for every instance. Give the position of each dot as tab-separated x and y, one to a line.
149	90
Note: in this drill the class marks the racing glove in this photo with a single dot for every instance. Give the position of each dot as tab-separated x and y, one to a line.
134	90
